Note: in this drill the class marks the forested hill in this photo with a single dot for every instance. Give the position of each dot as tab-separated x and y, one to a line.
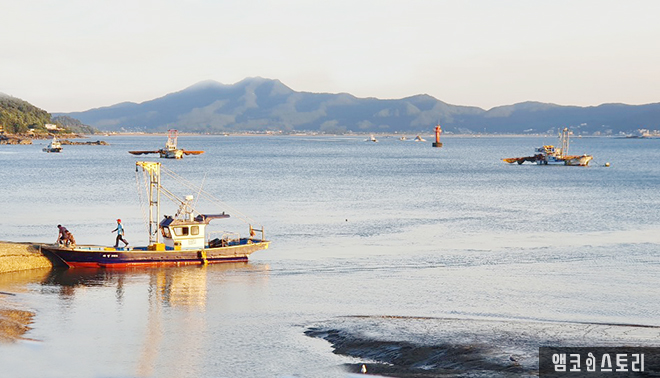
19	117
74	125
258	104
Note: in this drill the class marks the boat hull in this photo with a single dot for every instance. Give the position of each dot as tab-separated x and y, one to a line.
171	154
105	257
581	161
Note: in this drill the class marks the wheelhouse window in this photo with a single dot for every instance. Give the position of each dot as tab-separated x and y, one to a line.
181	231
166	232
194	230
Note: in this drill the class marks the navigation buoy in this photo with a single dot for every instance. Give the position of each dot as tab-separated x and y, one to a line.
438	131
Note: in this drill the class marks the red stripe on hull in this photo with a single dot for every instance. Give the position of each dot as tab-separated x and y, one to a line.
155	263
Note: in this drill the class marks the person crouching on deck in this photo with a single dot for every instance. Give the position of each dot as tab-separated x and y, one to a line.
65	237
120	234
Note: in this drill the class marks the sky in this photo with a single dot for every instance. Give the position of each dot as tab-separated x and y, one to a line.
75	55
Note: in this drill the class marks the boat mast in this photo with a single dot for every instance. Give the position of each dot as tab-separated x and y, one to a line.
564	142
172	136
153	170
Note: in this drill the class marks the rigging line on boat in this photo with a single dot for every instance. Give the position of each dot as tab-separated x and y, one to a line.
173	197
200	189
207	195
141	198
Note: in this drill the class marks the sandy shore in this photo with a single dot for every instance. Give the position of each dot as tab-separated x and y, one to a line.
16	257
21	256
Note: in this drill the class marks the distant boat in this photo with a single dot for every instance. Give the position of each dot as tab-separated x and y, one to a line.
551	155
419	138
372	139
403	137
170	151
53	146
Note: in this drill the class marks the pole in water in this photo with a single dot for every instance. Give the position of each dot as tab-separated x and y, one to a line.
438	131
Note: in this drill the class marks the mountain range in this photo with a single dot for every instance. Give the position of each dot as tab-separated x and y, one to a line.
260	105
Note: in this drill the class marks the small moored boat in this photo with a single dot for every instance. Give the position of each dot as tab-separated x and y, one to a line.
53	146
180	239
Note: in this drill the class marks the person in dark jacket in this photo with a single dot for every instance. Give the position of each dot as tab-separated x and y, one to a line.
65	237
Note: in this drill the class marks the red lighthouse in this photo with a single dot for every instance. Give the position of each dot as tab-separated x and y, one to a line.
438	131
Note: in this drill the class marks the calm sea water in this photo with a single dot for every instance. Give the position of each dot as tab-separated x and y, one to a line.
377	241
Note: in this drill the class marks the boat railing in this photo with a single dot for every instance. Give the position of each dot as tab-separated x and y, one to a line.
223	238
253	233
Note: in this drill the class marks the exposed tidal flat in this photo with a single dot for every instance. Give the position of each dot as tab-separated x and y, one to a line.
412	260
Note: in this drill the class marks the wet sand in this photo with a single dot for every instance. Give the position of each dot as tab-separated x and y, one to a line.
13	324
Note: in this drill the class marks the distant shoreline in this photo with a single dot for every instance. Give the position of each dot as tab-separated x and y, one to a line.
26	139
410	136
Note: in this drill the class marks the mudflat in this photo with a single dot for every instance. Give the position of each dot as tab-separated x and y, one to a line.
14	323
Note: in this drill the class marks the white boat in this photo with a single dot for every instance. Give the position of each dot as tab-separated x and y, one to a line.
53	146
170	151
551	155
419	138
372	139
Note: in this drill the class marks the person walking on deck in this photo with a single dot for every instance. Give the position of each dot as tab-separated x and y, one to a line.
120	234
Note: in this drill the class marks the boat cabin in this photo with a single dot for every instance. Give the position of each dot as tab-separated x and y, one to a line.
186	233
549	150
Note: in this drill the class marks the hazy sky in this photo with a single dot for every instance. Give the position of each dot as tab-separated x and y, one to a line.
73	55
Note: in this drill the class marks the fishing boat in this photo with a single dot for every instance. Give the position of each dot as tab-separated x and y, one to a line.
171	151
180	239
551	155
53	146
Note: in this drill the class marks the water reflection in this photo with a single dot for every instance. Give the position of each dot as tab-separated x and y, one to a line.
17	281
160	318
174	286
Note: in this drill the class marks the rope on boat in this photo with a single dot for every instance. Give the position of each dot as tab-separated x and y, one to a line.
207	195
201	193
145	217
